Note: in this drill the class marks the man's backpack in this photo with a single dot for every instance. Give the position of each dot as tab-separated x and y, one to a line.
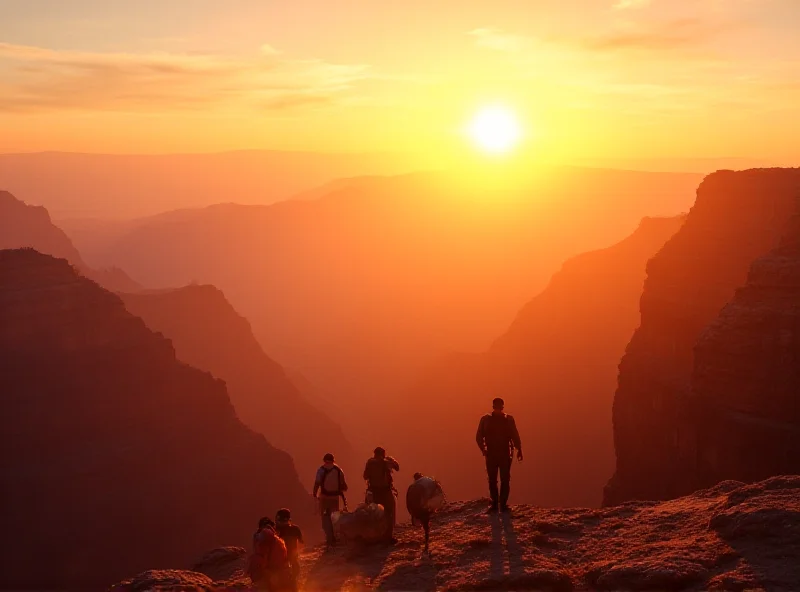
497	433
331	481
379	475
269	555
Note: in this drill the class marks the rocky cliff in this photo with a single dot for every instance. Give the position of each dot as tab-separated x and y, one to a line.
737	217
23	225
743	415
209	334
556	367
732	537
115	456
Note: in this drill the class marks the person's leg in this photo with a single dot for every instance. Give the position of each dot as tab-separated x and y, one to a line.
426	524
390	508
492	467
295	563
505	482
327	507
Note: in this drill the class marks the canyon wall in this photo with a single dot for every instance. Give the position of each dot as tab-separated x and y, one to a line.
115	456
743	415
737	218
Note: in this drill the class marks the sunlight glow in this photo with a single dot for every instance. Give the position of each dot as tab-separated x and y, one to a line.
495	130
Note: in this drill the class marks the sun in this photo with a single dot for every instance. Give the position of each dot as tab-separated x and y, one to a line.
495	130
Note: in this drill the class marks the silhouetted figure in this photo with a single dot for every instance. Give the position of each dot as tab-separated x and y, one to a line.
293	537
378	475
497	438
423	498
331	485
268	565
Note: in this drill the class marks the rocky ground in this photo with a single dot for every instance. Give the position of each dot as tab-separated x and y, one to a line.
732	537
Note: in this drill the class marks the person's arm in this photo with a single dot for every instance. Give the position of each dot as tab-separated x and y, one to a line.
479	437
366	472
300	536
393	463
515	436
317	482
342	481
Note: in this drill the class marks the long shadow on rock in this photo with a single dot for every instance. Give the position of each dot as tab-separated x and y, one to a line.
333	570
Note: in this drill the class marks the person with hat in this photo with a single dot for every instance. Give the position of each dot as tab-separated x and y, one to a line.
497	439
329	486
378	475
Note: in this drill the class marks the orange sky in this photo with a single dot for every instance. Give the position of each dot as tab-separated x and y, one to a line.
589	78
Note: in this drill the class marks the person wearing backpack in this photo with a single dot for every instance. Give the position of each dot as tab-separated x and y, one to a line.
378	475
268	565
329	486
497	438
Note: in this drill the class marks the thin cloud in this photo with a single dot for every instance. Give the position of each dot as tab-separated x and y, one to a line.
36	79
664	36
628	4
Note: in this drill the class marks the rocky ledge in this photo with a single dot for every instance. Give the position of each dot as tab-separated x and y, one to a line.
732	537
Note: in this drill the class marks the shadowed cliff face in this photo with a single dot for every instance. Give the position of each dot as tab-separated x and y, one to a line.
209	334
115	456
743	415
738	217
556	367
22	225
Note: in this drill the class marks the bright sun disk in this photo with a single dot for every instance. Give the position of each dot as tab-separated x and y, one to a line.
495	130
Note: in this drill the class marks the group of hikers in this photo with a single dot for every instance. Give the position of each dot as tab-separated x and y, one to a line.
274	563
330	486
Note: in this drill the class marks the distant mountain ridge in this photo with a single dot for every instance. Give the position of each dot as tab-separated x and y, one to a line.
359	289
23	225
77	185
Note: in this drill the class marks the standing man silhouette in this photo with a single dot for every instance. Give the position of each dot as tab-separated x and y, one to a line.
497	438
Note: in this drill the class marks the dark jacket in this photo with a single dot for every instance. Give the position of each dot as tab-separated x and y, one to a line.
498	434
378	472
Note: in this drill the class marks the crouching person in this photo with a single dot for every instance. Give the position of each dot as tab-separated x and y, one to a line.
268	565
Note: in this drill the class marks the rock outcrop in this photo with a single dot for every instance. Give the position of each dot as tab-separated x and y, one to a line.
743	415
23	225
737	218
732	537
209	334
556	366
115	456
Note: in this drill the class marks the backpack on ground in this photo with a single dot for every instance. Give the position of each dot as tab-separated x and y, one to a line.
269	555
379	475
331	481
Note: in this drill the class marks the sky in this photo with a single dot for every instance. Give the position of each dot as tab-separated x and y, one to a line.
586	78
